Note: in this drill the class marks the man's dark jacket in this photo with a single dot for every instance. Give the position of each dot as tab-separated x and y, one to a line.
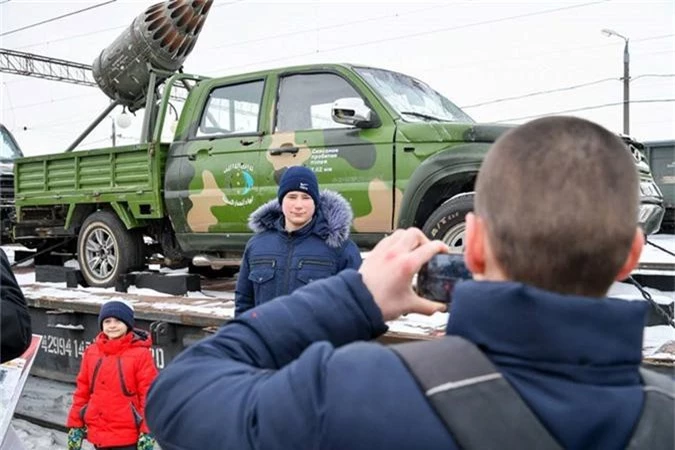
16	329
277	262
282	377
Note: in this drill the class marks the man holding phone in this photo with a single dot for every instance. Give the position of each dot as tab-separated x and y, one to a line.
289	374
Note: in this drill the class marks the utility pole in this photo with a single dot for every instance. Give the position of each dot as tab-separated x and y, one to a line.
626	89
626	79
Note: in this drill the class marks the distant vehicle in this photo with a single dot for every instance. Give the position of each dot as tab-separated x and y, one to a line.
661	158
9	151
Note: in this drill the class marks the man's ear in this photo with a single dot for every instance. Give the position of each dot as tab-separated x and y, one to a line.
474	245
633	256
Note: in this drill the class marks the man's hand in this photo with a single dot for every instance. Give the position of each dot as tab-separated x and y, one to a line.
389	268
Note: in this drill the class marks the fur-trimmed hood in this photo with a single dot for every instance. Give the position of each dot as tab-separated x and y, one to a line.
332	219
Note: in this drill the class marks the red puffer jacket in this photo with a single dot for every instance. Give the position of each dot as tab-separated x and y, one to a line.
111	388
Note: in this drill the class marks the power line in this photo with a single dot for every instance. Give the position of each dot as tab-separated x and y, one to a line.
53	19
529	56
227	4
585	108
90	33
71	37
423	33
54	100
566	88
323	28
653	75
532	94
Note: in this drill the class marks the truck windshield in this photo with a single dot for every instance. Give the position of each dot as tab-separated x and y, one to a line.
9	151
411	98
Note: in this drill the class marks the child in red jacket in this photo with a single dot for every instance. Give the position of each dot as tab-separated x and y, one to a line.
116	372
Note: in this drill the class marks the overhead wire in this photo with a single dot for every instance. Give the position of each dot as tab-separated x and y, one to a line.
585	108
566	88
323	28
533	94
55	100
531	56
400	37
423	33
90	33
54	19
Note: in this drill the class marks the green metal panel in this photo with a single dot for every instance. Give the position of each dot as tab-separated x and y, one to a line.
129	174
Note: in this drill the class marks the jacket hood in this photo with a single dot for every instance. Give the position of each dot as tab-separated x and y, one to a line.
331	222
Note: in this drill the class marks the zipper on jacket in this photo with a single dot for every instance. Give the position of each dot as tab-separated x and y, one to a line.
93	377
287	269
125	391
257	262
83	411
314	262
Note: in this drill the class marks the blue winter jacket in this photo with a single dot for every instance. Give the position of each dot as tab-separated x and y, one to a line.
288	375
277	262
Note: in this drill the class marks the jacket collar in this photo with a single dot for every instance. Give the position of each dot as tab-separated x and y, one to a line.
521	321
331	222
135	338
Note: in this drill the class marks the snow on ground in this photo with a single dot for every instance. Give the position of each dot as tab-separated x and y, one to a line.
655	255
48	400
34	437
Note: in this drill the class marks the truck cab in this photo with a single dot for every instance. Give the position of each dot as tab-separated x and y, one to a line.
400	152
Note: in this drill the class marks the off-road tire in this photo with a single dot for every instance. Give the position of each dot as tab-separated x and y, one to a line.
106	249
448	222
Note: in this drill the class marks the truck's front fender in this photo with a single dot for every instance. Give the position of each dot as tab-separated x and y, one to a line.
438	178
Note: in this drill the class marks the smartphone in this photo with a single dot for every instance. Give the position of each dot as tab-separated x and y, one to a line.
437	278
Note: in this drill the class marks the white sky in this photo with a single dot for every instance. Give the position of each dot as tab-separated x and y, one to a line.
470	51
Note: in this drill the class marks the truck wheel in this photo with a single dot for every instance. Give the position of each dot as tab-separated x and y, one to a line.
106	249
448	223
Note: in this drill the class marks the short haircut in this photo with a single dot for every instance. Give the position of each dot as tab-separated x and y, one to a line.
559	197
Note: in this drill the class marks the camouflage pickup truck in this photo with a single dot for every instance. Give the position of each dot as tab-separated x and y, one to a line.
401	153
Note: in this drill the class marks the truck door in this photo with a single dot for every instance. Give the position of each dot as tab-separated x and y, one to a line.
220	160
352	161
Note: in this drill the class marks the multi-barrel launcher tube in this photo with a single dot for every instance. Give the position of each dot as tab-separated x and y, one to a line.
161	37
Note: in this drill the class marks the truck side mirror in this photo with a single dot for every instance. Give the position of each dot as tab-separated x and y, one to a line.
353	111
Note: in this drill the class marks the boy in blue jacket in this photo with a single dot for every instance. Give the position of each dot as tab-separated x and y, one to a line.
555	224
301	236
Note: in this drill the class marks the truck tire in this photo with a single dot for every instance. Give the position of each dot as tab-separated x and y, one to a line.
106	249
448	222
